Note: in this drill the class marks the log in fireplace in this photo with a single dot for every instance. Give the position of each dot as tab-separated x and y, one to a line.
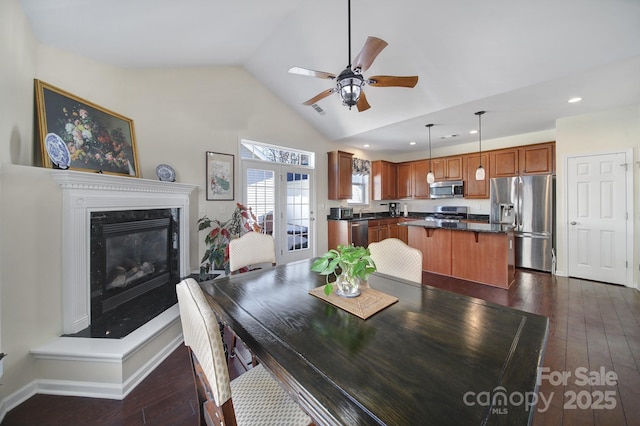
134	266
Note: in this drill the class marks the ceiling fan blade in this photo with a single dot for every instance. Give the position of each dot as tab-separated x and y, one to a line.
390	80
362	104
319	96
311	73
371	49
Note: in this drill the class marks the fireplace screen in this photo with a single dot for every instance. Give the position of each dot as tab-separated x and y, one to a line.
134	268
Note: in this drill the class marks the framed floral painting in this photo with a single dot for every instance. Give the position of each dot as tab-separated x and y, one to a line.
77	134
219	176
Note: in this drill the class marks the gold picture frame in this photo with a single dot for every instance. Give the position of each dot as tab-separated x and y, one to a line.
76	134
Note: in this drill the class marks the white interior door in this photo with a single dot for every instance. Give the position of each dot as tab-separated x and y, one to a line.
597	217
280	197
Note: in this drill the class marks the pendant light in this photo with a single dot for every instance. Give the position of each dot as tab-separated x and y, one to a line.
480	169
430	177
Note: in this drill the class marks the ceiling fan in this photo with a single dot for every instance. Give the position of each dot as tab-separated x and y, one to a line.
349	82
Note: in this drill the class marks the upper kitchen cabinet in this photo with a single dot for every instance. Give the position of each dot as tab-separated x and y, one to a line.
404	188
504	163
475	188
340	175
412	179
524	160
537	159
383	175
420	185
447	168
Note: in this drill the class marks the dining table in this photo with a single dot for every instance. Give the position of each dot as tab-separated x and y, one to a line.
429	357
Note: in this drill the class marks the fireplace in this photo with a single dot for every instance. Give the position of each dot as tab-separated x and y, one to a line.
134	266
125	246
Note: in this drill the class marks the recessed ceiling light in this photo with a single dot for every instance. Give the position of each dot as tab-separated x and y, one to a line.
574	100
366	145
412	143
473	132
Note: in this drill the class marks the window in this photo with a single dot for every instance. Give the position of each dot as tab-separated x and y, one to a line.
275	154
359	189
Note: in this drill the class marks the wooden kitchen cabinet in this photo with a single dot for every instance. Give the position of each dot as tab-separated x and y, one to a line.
381	229
340	173
374	228
339	232
420	185
403	231
447	168
393	228
504	163
383	178
475	188
404	180
524	160
435	245
486	258
412	179
537	159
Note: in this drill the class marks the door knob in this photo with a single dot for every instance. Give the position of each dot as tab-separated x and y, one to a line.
574	222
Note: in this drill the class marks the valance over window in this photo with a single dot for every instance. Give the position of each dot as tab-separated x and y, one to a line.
361	167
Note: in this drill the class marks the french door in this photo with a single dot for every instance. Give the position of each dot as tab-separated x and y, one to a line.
281	196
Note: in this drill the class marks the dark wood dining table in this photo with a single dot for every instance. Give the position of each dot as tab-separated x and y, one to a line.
433	357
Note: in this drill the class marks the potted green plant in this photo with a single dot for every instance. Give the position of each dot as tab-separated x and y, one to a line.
216	256
355	265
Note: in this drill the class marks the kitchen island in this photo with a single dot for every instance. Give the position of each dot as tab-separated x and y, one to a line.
479	252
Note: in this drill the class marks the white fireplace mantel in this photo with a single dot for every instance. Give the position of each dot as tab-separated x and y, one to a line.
84	193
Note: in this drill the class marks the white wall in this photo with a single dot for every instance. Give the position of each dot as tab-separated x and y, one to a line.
609	131
178	115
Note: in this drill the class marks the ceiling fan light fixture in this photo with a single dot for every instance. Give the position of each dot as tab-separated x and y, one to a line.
350	88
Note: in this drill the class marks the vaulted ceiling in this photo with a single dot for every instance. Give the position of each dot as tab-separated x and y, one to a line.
519	61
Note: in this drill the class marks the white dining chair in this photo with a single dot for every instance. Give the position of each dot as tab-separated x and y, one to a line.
393	257
250	250
252	398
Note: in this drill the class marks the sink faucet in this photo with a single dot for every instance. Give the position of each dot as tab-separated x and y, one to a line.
361	211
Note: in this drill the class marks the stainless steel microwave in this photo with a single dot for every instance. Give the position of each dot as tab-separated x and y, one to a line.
341	213
447	189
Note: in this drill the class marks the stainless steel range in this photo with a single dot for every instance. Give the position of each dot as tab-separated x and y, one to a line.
448	214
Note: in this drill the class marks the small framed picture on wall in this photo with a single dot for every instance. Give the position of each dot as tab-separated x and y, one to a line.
220	175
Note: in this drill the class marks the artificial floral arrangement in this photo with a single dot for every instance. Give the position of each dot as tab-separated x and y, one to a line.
217	240
353	261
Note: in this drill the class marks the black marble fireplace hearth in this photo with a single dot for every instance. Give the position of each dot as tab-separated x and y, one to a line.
119	322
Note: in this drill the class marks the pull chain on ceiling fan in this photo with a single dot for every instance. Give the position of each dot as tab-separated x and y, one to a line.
350	81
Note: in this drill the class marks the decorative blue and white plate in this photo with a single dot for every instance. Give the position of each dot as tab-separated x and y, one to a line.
57	150
166	173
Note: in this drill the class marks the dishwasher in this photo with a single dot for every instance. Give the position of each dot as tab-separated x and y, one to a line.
360	233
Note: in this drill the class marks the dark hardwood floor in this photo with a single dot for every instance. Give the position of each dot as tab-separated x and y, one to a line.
594	328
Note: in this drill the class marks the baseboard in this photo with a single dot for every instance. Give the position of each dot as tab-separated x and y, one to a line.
91	389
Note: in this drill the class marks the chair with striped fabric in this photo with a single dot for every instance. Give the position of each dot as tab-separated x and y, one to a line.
252	398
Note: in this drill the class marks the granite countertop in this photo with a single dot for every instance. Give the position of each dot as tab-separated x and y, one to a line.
412	215
460	226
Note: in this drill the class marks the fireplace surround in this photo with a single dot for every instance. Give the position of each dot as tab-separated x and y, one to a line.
99	367
87	194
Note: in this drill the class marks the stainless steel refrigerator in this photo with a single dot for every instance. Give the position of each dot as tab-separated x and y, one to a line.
527	203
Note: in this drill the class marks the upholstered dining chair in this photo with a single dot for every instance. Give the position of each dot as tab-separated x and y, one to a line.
248	251
253	248
252	398
393	257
